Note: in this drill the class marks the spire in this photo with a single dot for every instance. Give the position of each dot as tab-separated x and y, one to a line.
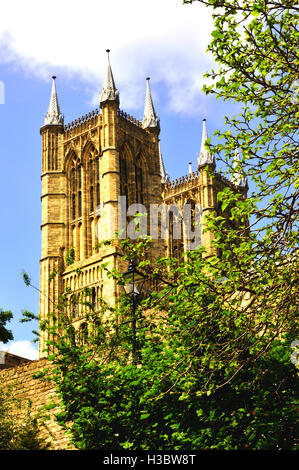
54	116
238	177
204	158
164	175
150	119
109	91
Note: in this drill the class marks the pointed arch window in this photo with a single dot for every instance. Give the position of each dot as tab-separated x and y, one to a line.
79	171
89	194
90	165
192	221
79	204
124	178
91	199
73	190
75	178
98	191
93	179
175	242
98	195
98	168
73	206
139	181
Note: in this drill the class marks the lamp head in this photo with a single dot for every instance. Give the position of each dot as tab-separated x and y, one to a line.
134	280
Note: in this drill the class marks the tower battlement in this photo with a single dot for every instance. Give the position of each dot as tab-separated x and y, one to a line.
129	118
192	180
82	124
182	183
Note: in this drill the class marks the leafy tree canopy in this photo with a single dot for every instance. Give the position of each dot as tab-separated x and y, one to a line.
5	334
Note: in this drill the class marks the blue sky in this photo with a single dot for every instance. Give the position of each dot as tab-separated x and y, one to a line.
164	40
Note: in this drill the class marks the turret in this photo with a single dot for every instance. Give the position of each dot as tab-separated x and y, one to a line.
238	176
150	119
53	210
204	158
110	168
164	175
109	92
51	133
54	116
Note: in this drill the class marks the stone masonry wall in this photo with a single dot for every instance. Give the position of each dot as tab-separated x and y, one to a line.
24	387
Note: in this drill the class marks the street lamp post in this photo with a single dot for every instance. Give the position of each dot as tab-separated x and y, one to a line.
134	281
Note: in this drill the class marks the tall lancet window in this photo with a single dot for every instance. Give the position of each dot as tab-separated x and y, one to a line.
139	181
74	176
73	206
123	178
91	181
89	197
79	179
98	196
79	204
176	246
75	189
93	172
79	176
192	220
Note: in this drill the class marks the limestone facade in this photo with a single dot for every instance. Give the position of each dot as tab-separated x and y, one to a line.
86	166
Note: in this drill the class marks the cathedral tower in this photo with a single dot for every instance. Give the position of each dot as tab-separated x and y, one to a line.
87	165
99	171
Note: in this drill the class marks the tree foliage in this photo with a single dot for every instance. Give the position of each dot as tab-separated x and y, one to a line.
208	376
18	433
5	334
255	44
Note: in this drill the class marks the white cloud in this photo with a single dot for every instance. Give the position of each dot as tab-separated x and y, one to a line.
21	348
163	39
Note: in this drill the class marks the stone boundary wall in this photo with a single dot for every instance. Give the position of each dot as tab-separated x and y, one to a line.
8	360
19	379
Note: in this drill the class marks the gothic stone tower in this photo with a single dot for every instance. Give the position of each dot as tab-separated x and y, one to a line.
86	166
200	188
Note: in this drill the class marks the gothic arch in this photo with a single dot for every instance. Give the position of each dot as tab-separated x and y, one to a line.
127	150
89	149
91	193
71	156
74	178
